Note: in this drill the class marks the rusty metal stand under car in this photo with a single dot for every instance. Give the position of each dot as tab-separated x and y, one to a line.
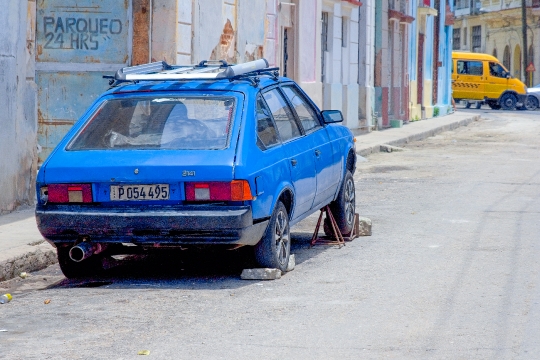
336	238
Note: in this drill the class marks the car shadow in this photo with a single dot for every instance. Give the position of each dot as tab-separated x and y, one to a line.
196	269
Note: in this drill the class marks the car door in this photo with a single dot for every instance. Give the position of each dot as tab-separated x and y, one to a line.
296	148
497	81
319	142
470	80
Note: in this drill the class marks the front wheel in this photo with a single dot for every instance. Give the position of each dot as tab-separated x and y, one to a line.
343	208
531	103
508	101
275	246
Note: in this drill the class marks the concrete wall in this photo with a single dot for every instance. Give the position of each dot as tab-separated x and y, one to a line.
18	117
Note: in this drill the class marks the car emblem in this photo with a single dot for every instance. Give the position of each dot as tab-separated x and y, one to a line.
136	171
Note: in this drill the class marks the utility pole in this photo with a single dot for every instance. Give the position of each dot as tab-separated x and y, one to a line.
524	34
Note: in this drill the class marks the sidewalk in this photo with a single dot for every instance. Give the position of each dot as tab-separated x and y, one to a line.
23	249
414	131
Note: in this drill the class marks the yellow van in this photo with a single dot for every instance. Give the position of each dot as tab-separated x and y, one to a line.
481	78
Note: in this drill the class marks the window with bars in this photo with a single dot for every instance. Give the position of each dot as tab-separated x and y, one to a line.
344	34
461	4
324	43
476	37
456	38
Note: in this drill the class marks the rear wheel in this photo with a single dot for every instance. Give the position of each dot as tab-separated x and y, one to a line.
467	105
72	269
343	208
478	105
508	101
275	246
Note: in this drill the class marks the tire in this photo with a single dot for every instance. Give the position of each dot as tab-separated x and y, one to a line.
343	208
478	105
72	269
467	105
531	103
508	101
275	246
493	105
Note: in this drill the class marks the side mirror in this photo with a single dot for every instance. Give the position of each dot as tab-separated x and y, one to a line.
332	116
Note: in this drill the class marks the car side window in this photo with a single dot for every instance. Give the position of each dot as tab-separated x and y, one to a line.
306	114
266	131
282	114
497	70
470	67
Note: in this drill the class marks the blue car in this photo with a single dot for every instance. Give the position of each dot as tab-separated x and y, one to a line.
210	154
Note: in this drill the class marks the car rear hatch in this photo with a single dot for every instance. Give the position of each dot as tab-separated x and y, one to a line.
148	148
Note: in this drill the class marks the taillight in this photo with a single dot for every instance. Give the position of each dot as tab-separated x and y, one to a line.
69	193
236	190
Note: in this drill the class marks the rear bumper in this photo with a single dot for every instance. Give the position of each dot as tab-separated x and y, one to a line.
179	225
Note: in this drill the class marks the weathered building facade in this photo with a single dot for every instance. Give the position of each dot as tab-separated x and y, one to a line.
18	113
376	60
495	27
430	59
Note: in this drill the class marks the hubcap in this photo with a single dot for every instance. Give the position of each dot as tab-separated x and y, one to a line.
349	201
282	237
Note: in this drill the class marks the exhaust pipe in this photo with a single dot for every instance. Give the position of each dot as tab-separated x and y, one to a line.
84	250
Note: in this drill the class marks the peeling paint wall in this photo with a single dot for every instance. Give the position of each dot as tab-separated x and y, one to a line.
164	30
18	158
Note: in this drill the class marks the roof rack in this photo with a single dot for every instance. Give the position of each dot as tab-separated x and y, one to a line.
205	70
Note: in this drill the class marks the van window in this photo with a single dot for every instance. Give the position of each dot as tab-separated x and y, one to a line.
495	69
470	67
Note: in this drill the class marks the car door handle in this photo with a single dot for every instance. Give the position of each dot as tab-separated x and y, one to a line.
294	162
317	153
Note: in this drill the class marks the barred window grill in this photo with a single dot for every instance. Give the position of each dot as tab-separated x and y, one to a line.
456	38
403	6
462	4
324	44
476	37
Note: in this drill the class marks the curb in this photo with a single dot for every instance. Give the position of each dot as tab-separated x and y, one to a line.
405	139
31	258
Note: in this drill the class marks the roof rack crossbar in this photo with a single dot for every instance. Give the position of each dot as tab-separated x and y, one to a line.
178	70
146	68
205	70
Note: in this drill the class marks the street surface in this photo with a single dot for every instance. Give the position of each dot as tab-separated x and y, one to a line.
451	272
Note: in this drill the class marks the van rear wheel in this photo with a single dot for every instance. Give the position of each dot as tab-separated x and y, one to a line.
508	101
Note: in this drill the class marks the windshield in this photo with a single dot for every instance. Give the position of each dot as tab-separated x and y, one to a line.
182	123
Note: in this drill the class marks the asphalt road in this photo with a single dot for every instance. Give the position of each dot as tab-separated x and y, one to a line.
451	272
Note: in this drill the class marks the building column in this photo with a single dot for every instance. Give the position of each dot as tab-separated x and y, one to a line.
366	68
332	86
309	49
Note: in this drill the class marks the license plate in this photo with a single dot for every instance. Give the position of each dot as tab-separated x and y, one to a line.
139	192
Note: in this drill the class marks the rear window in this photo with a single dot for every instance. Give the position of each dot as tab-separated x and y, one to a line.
182	123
